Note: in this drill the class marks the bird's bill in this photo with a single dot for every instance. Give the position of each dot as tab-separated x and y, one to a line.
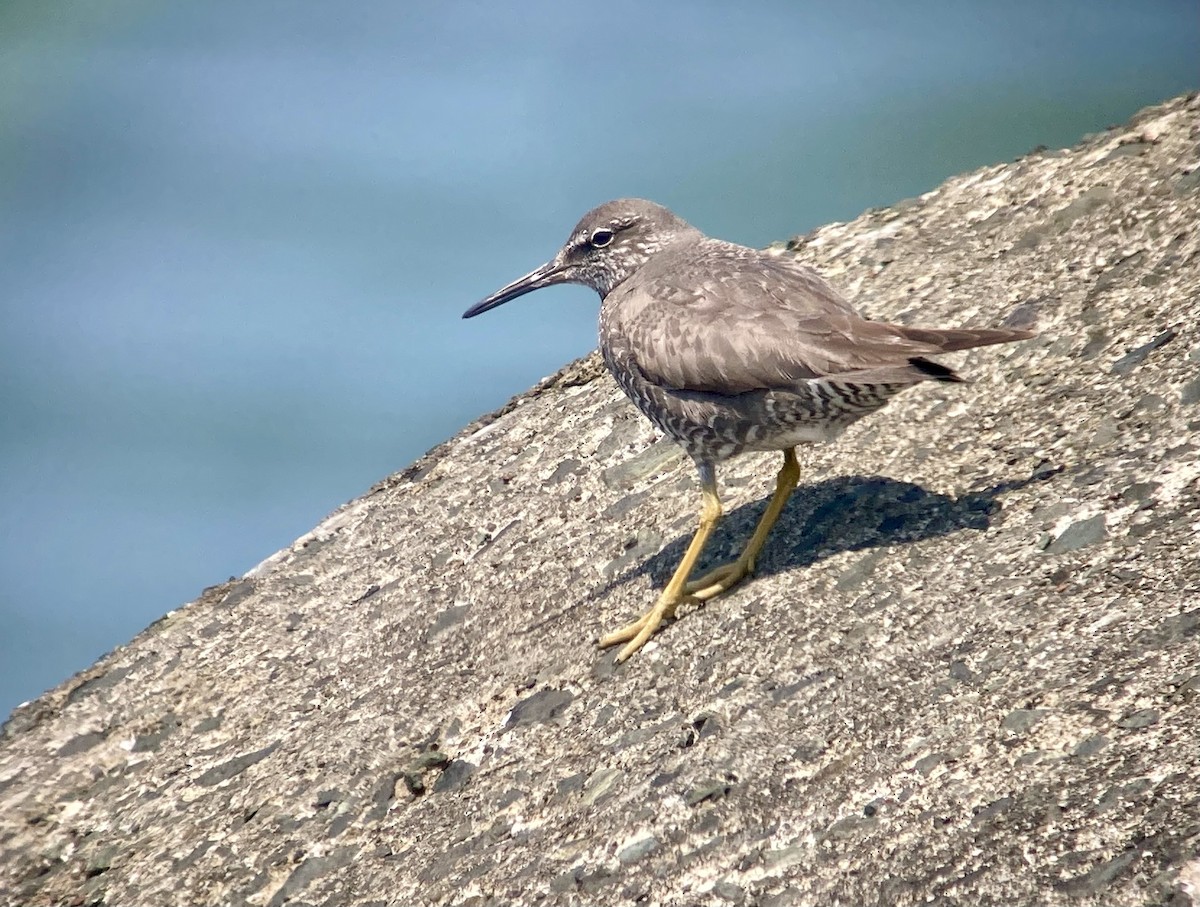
547	274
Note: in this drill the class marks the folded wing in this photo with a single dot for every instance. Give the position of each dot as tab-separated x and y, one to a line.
741	321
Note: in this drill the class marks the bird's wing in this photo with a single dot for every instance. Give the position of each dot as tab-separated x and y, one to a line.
734	320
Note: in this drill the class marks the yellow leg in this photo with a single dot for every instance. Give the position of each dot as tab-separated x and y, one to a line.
725	577
635	634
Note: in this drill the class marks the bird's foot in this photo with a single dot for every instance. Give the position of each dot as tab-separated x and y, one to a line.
719	579
636	634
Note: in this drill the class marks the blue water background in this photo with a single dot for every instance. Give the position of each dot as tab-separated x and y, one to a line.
236	237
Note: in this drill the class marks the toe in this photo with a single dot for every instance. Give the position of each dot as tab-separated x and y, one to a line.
637	633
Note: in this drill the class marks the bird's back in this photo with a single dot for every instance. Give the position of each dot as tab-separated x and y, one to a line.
727	349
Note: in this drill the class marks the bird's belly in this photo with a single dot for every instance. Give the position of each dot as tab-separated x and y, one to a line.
780	438
714	427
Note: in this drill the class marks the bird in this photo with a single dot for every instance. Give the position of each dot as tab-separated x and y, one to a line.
728	349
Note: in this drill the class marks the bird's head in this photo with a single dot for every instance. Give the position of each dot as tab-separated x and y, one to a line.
608	244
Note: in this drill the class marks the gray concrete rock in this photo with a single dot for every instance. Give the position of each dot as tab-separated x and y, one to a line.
967	672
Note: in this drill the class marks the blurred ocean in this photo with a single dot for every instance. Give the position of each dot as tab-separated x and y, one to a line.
236	238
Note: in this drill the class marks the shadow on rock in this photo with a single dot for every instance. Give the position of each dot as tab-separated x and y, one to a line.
839	514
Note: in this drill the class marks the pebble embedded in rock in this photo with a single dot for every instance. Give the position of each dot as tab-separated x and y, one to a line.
1022	721
637	850
1079	534
1139	719
544	705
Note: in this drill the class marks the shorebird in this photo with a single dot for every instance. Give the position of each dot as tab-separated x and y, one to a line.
729	349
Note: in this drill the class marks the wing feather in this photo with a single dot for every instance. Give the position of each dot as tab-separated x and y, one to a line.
727	319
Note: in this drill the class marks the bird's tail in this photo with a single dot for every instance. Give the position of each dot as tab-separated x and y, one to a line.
927	368
947	340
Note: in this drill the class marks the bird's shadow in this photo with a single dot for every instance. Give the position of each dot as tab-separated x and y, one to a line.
848	513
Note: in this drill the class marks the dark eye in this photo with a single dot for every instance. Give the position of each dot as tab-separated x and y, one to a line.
601	238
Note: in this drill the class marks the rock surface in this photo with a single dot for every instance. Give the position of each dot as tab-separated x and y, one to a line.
967	673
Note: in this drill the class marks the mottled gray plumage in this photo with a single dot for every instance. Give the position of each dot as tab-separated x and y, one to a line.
728	349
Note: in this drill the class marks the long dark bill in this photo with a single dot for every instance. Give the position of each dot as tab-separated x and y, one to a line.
534	280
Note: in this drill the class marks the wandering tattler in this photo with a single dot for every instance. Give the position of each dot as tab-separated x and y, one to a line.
728	349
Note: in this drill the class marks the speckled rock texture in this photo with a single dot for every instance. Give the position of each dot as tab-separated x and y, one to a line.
968	671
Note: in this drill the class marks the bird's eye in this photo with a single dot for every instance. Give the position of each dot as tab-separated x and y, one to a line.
601	238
